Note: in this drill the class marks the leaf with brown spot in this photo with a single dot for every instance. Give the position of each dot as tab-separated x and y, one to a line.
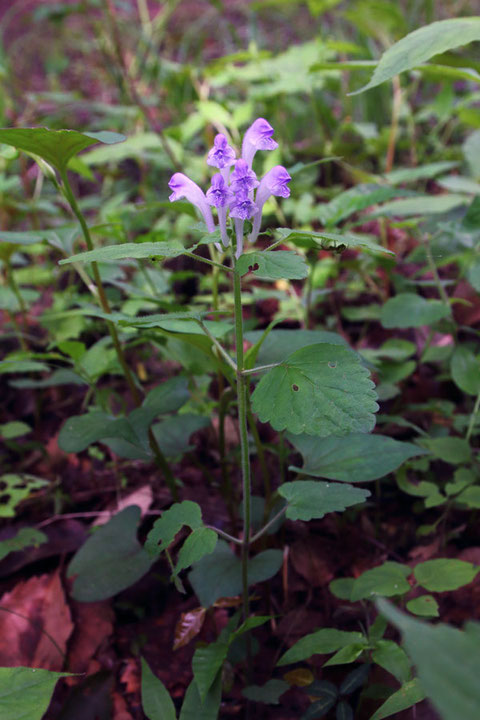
188	626
35	624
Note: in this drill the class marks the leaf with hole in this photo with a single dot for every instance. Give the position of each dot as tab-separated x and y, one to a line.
319	390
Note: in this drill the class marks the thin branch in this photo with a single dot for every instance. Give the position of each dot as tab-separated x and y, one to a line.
260	368
266	527
219	346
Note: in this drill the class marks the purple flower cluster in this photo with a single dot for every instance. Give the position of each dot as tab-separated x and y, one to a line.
238	193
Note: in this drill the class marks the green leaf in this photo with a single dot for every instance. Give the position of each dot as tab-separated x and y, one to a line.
353	200
423	172
347	655
353	458
319	390
220	573
194	709
387	580
17	487
447	662
80	431
309	499
344	711
424	205
425	606
201	542
113	253
409	694
273	265
270	693
355	679
465	369
279	344
111	559
26	537
422	44
321	642
156	701
470	497
55	146
342	588
14	429
206	664
169	396
170	523
453	450
330	240
25	693
445	574
392	658
408	310
173	434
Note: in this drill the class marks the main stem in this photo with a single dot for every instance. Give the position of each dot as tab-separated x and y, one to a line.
105	305
242	386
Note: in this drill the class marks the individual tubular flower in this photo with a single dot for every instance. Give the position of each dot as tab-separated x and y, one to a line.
243	178
220	196
242	208
274	182
257	137
183	187
221	156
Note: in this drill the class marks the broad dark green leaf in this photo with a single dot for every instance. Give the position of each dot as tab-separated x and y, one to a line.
387	580
447	662
270	693
319	390
453	450
408	310
279	344
194	709
220	573
312	499
173	434
156	701
422	44
321	642
169	396
392	658
199	543
273	265
112	253
444	574
206	664
25	693
55	146
353	458
344	711
111	560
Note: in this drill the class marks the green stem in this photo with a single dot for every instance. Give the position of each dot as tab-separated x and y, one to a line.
105	305
473	416
242	424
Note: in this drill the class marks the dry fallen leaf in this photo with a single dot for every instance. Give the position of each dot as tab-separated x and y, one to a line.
120	711
130	676
143	497
93	624
188	626
35	624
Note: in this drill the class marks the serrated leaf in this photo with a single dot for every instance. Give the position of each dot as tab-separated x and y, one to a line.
387	580
309	499
199	543
419	46
156	701
113	253
321	642
353	458
319	390
447	662
273	265
408	310
279	344
170	523
25	693
55	146
110	560
444	574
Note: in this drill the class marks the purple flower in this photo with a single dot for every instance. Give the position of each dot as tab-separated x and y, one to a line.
242	207
183	187
219	194
243	179
257	137
221	155
274	182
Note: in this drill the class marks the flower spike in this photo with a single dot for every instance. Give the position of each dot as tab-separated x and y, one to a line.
274	182
243	179
220	195
221	155
183	187
257	137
